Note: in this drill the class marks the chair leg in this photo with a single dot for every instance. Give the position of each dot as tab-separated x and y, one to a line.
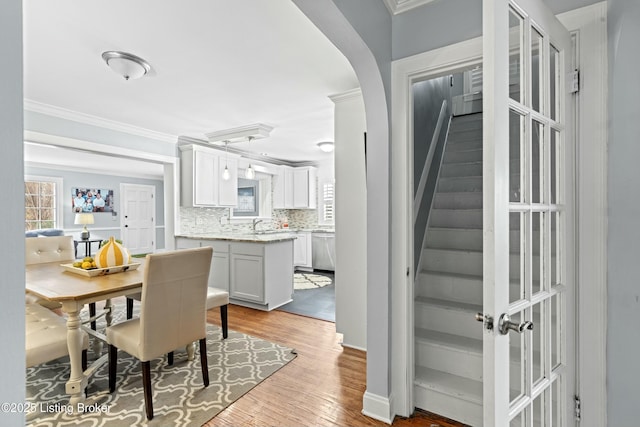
204	362
113	364
84	360
92	312
129	308
148	392
223	318
170	358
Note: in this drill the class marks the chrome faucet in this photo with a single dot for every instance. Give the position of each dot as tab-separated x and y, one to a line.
256	221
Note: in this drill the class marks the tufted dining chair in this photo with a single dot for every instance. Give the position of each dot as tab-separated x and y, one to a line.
172	314
39	250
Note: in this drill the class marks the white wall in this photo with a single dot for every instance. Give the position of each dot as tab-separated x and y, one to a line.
351	220
623	320
12	389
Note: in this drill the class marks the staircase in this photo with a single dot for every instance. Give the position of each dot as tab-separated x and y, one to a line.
448	339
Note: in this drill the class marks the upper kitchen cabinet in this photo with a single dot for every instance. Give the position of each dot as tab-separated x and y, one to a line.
295	188
304	188
201	178
283	188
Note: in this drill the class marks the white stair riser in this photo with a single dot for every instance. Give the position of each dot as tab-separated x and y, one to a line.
448	406
455	238
472	200
453	288
450	321
463	145
458	262
464	184
467	364
462	156
456	218
461	169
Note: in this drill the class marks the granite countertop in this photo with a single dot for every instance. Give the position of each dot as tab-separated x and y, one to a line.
242	237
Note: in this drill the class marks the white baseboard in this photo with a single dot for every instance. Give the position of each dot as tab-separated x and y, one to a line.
378	407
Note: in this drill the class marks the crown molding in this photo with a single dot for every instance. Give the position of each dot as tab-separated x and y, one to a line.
400	6
353	93
88	119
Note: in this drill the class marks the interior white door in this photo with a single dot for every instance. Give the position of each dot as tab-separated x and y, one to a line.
528	363
138	218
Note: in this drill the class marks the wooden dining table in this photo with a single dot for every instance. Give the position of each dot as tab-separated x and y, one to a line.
52	282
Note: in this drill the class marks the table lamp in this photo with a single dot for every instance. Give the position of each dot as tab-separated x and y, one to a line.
84	219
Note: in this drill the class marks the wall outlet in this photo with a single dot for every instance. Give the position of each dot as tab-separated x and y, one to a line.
199	221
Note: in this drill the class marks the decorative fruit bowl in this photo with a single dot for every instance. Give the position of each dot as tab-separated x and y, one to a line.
100	271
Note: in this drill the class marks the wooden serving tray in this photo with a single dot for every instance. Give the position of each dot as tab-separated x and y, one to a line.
100	271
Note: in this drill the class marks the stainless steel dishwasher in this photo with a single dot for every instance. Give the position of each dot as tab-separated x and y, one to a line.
323	251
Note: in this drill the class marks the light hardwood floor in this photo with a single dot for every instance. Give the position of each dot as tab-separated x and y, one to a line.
322	386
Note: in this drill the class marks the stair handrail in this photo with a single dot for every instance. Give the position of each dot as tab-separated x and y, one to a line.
417	201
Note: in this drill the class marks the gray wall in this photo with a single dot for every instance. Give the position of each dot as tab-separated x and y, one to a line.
105	221
623	305
11	226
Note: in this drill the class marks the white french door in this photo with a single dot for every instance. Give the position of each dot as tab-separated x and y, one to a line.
528	361
137	218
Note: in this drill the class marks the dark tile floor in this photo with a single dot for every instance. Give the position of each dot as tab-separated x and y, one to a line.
317	303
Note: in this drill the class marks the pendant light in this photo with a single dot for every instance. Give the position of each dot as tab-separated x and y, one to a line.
250	173
226	174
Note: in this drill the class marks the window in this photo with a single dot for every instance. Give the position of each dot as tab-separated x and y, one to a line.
327	203
248	198
42	202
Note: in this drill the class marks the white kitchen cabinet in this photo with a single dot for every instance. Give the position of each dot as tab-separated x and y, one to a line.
201	180
283	188
261	274
247	272
304	188
302	258
295	188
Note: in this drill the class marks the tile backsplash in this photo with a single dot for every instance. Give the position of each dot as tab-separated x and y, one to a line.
213	220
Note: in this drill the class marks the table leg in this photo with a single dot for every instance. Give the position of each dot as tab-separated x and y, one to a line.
77	379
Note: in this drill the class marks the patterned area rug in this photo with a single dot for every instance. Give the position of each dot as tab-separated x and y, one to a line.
236	365
310	281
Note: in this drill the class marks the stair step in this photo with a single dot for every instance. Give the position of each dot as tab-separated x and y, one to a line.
454	354
456	218
463	145
461	169
474	155
453	261
467	133
450	286
459	184
455	238
458	200
451	317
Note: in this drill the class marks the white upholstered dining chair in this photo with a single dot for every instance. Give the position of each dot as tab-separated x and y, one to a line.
172	314
39	250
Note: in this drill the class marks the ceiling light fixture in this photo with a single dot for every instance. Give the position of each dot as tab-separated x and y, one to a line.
226	174
240	134
326	146
250	173
127	65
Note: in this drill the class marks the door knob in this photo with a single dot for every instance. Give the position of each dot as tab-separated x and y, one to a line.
486	320
505	325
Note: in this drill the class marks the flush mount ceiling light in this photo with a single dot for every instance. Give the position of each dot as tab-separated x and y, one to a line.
326	146
127	65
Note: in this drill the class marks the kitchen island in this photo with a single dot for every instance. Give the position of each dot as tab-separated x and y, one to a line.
256	269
